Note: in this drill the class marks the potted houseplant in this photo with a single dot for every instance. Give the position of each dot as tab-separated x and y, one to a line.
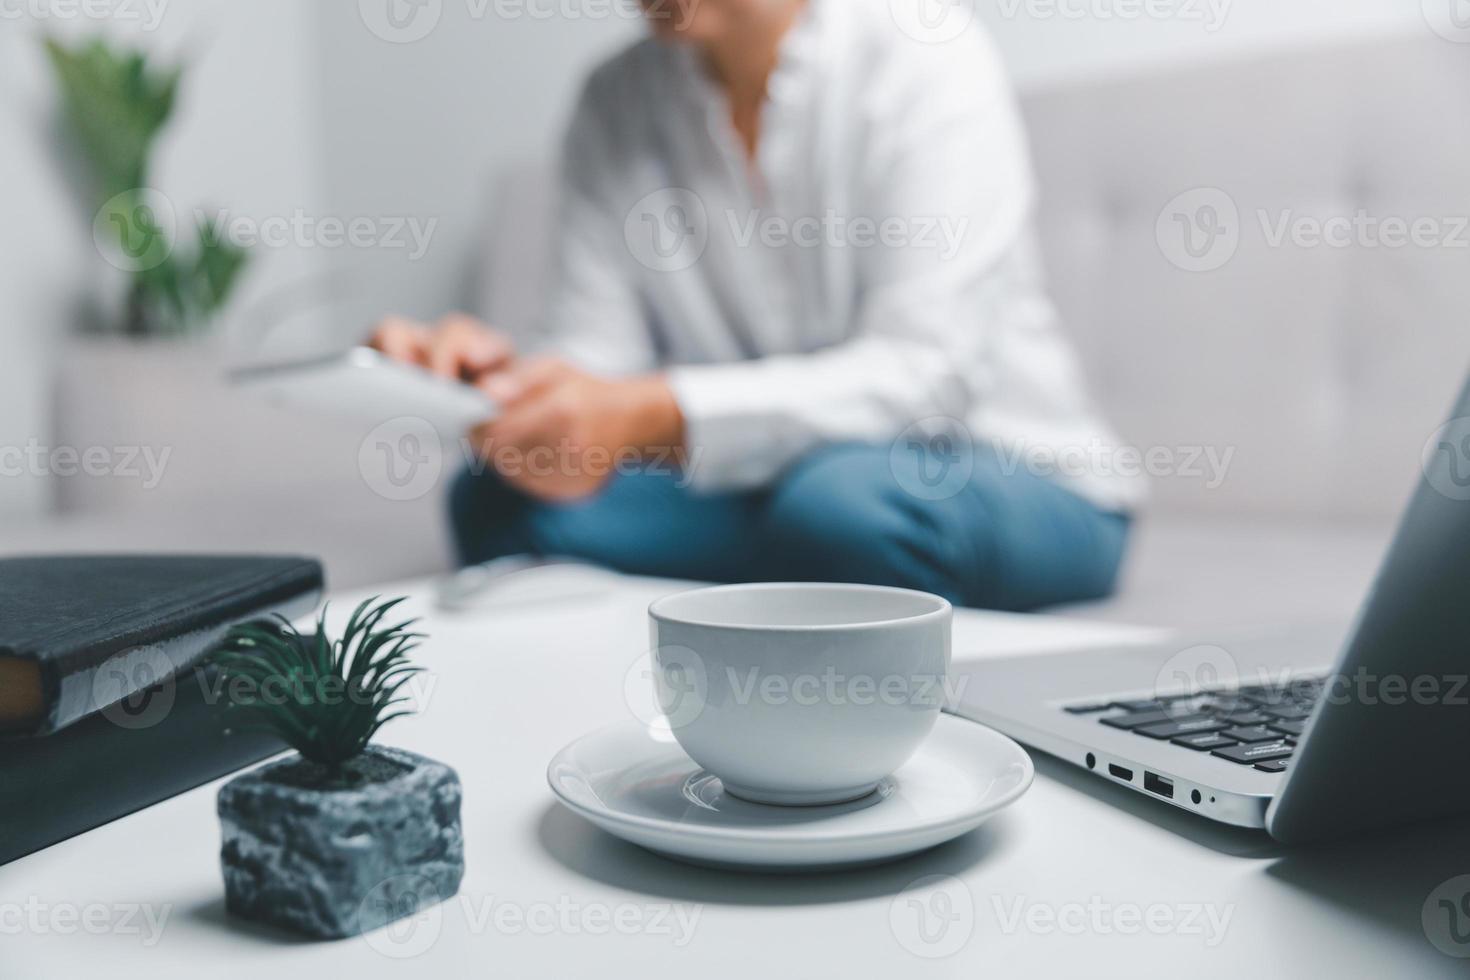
116	103
343	836
142	366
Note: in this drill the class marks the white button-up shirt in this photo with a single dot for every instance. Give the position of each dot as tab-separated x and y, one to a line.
871	269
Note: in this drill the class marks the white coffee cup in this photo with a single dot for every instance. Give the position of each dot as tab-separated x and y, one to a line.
800	694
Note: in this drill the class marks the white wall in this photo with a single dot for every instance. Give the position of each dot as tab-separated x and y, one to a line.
244	135
41	268
247	134
421	127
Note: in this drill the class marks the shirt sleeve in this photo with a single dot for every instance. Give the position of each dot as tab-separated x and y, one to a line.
595	317
945	178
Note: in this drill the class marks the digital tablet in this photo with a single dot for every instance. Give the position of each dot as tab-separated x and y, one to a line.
363	385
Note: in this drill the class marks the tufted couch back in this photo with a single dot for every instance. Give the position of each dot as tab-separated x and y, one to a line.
1325	365
1268	258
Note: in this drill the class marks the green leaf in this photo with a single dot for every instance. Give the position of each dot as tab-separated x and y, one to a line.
116	106
328	698
216	270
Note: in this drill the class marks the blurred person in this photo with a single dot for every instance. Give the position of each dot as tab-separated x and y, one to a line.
796	283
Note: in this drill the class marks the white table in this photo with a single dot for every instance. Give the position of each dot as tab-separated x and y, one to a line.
1064	884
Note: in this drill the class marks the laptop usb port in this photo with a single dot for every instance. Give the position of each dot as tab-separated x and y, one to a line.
1118	771
1155	783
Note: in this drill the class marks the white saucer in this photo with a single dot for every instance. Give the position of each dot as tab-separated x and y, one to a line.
636	783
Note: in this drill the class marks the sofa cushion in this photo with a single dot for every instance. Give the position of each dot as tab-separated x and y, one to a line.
1241	574
1324	368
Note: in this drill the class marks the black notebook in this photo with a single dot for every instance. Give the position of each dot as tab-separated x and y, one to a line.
158	744
79	633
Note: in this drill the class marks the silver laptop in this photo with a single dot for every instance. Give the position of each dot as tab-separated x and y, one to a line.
1308	736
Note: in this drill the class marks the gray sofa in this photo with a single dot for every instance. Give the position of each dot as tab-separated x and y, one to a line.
1322	369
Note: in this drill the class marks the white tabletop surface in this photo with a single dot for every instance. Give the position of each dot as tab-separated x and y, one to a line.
1079	879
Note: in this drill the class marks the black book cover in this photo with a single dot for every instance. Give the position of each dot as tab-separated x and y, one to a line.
79	633
149	747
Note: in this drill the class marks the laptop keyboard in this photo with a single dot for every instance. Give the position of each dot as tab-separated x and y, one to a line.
1250	726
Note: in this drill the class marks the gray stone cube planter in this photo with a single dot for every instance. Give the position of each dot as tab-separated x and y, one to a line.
332	860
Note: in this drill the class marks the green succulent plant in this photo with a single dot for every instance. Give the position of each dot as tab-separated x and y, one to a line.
116	104
324	698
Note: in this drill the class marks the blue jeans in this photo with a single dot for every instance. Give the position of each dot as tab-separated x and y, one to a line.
998	539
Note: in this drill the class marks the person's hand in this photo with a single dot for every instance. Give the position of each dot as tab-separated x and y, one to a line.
562	433
458	347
